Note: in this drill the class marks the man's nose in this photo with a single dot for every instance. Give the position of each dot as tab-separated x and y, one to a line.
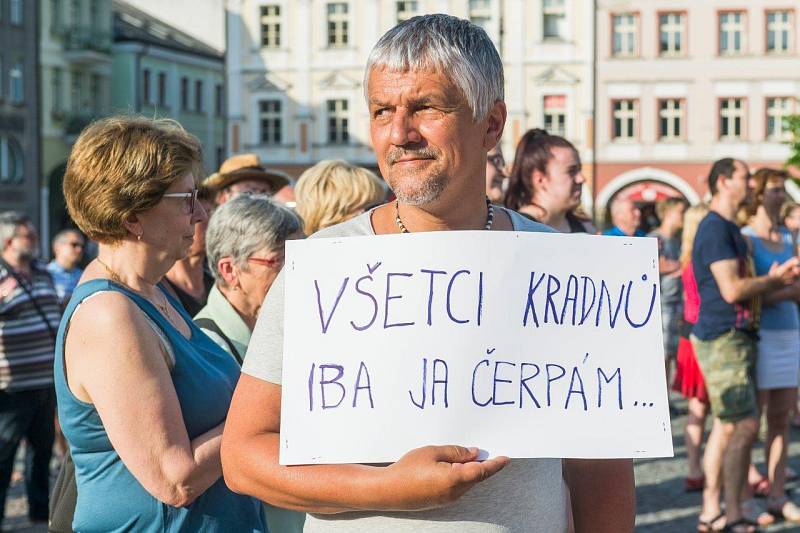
404	130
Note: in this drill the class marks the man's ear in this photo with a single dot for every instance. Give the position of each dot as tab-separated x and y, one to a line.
495	123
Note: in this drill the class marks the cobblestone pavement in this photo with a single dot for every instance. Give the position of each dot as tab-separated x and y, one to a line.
662	504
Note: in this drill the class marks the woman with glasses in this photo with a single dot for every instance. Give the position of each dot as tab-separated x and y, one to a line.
189	277
245	245
142	393
779	335
546	182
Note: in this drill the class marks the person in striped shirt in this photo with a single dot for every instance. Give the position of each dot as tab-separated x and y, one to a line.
29	317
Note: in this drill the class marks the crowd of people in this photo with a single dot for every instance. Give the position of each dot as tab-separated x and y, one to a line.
164	352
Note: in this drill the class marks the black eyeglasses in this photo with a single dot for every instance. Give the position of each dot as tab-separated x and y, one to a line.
191	199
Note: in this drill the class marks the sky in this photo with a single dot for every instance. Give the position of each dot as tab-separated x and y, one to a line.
202	19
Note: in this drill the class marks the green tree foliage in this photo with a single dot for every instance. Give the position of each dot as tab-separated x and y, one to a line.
793	124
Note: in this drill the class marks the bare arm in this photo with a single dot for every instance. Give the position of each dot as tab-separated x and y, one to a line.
127	379
602	494
424	478
668	266
735	288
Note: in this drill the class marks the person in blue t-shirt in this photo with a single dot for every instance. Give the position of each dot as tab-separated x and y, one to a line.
67	251
626	217
724	339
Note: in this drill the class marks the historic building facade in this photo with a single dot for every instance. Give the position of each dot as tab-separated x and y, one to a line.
75	70
160	71
680	85
295	71
19	108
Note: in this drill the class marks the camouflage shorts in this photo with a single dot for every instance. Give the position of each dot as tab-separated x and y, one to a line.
728	365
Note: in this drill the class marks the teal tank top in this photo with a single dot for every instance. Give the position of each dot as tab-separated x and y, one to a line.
110	499
783	314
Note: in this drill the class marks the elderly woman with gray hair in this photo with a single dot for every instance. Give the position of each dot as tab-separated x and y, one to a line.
245	249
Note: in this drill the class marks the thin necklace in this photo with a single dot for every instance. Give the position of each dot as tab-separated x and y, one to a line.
116	277
489	216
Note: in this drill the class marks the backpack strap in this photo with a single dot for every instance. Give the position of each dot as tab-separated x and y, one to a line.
209	324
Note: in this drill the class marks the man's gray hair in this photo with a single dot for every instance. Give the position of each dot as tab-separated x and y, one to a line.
10	221
447	44
243	226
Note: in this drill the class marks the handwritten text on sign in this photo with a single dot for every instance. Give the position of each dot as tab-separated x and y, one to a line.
523	344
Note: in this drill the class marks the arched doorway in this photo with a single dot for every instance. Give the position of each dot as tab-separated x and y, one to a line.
646	194
645	187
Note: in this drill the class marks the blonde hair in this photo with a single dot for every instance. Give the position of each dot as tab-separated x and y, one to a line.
122	165
691	220
333	191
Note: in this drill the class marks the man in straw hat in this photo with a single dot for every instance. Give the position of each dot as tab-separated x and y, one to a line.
244	174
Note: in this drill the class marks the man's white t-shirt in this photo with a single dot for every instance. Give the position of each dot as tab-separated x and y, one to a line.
527	495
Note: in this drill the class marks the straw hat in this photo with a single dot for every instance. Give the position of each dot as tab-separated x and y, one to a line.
245	167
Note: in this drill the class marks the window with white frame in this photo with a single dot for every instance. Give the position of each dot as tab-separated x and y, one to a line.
731	119
96	91
670	119
625	35
406	9
338	24
11	161
147	94
271	26
198	96
56	19
554	19
57	91
778	109
779	32
338	122
270	114
76	90
15	12
480	13
75	13
555	114
16	93
625	119
219	99
671	34
162	89
184	93
731	33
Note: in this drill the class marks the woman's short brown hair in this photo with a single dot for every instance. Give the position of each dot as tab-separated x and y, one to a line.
122	165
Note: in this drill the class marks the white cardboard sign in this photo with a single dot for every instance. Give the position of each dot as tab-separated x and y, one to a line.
522	344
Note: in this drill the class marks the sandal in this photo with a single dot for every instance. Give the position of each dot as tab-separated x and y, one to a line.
784	509
707	526
742	523
694	484
760	488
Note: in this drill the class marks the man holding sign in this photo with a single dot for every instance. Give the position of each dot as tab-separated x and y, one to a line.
434	86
